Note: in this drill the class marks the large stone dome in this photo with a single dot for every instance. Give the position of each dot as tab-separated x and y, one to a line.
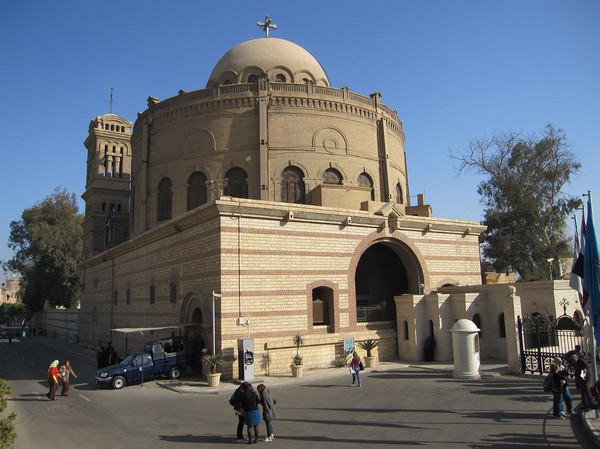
279	59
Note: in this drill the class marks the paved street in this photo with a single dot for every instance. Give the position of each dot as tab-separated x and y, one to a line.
398	406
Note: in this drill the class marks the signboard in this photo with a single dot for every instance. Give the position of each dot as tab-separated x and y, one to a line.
348	345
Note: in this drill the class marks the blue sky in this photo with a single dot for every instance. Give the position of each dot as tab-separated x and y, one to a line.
454	71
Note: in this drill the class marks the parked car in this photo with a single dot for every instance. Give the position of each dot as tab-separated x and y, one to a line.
162	358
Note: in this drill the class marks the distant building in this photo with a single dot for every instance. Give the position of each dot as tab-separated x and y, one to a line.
10	290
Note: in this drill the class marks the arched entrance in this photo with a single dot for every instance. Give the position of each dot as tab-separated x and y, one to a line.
387	268
195	309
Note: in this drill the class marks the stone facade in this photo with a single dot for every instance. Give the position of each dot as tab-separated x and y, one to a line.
267	266
287	197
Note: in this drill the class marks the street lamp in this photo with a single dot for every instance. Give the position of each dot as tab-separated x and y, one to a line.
550	265
216	186
214	338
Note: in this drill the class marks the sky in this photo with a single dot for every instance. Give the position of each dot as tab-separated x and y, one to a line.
454	71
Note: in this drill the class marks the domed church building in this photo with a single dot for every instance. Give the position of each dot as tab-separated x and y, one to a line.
266	205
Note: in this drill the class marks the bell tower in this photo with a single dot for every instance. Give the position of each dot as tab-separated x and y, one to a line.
107	185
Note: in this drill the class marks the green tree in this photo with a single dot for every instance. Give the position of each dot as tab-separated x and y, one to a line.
525	207
12	312
48	251
7	425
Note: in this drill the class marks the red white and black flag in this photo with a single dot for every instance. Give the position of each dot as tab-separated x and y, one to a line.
576	278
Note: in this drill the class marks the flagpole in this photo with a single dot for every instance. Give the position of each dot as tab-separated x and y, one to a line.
590	309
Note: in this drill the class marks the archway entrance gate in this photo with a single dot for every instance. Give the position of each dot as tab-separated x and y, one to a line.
541	339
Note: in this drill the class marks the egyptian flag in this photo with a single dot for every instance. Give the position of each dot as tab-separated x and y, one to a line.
576	279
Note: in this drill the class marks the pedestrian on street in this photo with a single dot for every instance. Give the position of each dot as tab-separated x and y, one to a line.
268	404
236	401
581	378
53	376
65	371
101	357
566	398
251	413
577	351
354	365
111	355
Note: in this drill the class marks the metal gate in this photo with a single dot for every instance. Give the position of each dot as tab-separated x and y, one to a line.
541	339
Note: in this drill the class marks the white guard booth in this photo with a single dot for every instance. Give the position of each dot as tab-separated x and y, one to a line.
465	348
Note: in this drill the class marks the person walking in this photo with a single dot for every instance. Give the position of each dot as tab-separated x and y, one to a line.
268	404
251	413
354	365
53	376
65	371
581	378
566	398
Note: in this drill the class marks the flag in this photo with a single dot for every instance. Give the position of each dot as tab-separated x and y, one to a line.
591	270
576	278
112	216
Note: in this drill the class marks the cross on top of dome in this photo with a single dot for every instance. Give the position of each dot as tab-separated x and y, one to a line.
266	25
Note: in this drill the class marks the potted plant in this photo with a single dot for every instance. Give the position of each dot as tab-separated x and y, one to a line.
213	361
297	363
369	345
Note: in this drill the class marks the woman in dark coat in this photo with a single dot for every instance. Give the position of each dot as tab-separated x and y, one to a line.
251	413
268	410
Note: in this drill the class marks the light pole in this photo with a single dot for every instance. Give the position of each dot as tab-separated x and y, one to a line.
216	186
214	338
550	265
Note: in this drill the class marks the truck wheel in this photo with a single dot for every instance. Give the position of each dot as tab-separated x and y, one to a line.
174	373
118	382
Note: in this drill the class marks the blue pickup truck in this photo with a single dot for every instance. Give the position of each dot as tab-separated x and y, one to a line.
162	358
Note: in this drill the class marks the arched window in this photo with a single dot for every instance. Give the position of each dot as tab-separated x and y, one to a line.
322	299
364	180
332	176
501	325
252	78
280	78
292	186
164	200
173	292
196	195
477	321
399	195
237	183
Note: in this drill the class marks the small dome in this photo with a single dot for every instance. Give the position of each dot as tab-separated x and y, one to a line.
279	59
465	326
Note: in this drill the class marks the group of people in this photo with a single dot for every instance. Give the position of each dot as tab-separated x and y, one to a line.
245	401
56	375
106	357
574	366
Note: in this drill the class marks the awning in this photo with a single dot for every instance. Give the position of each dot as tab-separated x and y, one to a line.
142	330
129	330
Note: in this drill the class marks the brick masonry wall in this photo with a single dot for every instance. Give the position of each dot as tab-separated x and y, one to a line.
265	269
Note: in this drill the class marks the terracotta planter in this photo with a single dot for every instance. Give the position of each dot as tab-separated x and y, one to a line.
370	362
213	379
297	370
